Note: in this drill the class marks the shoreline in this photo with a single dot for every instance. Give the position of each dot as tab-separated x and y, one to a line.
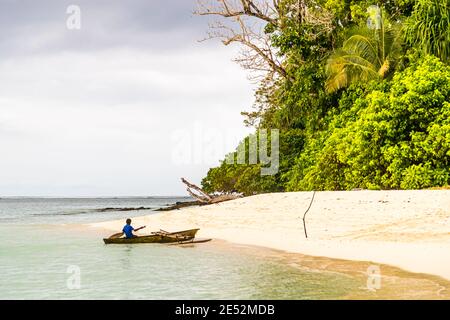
408	229
306	277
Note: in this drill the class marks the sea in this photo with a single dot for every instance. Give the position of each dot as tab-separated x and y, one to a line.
48	252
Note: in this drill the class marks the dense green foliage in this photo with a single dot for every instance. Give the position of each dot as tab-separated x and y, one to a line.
389	131
247	178
368	54
396	136
428	27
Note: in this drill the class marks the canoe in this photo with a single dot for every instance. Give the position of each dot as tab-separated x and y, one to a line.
156	237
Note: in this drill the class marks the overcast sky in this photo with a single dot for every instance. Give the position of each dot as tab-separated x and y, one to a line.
126	105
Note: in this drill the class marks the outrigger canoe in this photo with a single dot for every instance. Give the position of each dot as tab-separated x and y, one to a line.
157	237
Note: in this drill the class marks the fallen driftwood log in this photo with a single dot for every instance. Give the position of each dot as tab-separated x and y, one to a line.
201	197
205	198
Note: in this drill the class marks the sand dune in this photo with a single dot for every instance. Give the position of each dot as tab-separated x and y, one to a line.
408	229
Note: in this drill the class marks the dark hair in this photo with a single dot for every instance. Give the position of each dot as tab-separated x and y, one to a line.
128	221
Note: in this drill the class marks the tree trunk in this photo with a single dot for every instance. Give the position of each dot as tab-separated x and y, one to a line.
206	198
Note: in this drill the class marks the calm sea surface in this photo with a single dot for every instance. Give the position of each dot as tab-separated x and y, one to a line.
45	253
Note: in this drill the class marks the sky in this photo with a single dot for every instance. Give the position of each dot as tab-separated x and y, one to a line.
123	106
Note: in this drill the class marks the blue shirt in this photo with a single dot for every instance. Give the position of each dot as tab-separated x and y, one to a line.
128	230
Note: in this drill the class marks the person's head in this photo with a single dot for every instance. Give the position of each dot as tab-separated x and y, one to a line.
128	221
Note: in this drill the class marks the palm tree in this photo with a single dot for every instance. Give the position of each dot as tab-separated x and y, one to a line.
428	28
368	54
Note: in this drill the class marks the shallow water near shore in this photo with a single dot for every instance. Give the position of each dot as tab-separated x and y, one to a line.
47	253
40	262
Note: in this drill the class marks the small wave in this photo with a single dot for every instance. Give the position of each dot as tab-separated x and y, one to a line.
89	211
59	214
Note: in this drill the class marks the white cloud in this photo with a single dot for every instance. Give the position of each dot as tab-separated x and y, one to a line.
94	111
102	123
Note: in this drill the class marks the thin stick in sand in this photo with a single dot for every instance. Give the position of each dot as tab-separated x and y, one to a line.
304	215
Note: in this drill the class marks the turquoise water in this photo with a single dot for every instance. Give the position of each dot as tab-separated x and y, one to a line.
44	252
47	253
35	261
76	210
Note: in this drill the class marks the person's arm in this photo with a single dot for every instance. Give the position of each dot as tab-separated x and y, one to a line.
116	235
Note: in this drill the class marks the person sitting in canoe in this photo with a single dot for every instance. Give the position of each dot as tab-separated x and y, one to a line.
128	229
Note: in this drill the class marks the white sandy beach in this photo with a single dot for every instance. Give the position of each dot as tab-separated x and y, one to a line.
407	229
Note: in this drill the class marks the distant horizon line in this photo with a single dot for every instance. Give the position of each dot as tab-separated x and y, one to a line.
93	197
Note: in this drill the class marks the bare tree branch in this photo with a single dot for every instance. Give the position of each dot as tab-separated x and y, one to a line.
243	23
205	198
237	8
201	196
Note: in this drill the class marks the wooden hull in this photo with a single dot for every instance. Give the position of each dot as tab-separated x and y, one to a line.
179	236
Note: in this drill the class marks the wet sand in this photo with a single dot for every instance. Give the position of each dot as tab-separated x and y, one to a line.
406	229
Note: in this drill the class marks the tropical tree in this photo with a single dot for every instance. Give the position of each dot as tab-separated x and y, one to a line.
429	27
368	54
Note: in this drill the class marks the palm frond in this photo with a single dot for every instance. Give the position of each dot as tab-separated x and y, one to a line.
428	27
363	46
344	68
366	55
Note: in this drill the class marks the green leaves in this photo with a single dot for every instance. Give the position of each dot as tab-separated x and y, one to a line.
368	54
428	28
396	136
353	121
247	178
